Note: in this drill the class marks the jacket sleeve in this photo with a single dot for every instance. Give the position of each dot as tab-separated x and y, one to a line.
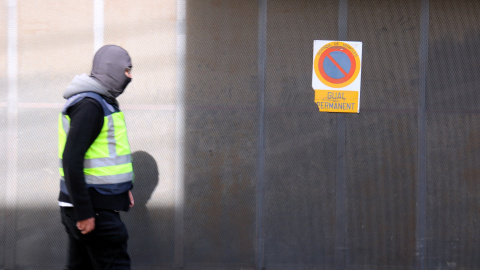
86	121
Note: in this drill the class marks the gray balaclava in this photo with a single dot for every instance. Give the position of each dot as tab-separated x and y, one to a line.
109	66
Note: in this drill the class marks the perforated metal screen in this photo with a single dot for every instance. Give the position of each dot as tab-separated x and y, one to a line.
236	167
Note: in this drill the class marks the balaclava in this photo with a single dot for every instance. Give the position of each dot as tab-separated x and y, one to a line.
109	66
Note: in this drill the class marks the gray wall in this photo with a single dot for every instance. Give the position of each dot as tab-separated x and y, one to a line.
236	167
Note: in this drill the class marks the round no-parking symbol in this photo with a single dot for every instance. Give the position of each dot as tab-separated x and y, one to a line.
337	64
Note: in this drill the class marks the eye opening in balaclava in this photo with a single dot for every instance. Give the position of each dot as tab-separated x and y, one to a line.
109	64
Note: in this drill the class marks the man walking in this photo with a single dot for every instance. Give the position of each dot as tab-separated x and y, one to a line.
95	164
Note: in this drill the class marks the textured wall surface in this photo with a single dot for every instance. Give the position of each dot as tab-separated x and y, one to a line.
235	166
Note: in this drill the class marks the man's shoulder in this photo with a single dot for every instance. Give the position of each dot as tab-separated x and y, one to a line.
87	104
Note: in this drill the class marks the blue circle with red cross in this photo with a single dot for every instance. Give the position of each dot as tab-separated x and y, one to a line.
337	65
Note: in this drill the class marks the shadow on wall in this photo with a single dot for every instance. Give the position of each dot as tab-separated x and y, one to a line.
143	243
146	177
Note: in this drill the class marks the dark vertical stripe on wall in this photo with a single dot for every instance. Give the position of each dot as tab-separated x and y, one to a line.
420	228
340	211
262	55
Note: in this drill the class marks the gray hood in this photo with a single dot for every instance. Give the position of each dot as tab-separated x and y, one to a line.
84	83
109	65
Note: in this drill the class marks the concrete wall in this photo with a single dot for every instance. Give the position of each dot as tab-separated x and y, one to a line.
235	166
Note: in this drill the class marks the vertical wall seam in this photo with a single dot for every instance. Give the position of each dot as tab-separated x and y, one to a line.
180	136
12	136
98	24
340	208
262	55
420	228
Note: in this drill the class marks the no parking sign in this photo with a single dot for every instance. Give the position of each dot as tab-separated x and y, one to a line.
336	75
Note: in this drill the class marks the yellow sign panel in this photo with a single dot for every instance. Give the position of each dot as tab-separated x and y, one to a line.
337	101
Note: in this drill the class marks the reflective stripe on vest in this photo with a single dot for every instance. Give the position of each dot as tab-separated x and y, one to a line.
108	160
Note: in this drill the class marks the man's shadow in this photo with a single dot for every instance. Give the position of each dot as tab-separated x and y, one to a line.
143	242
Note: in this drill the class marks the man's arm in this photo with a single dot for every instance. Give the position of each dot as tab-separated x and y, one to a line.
86	121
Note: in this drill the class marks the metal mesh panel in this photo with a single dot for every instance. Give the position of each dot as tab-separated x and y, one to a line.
381	142
453	120
220	133
300	143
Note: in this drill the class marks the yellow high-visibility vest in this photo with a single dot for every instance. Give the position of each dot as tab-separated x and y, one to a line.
108	162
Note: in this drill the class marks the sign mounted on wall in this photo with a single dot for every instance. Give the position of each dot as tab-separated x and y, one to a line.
336	75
